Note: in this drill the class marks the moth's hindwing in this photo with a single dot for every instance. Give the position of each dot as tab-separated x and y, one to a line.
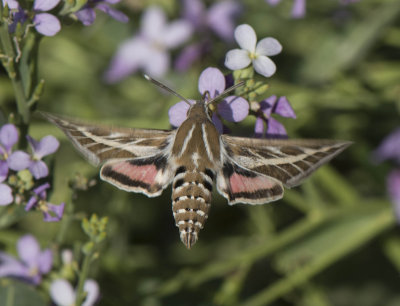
289	161
240	185
149	175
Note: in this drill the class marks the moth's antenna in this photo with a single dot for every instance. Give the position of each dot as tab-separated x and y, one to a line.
157	83
226	91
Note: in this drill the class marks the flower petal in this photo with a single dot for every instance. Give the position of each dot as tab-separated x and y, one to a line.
32	202
211	80
92	289
47	145
62	293
218	123
86	15
19	160
246	37
47	24
113	13
8	136
153	23
393	185
259	127
267	105
28	250
3	170
130	57
188	56
57	212
272	2
221	17
193	11
264	66
268	46
237	59
6	196
45	261
176	33
389	148
41	190
157	63
178	113
299	9
45	5
275	129
283	108
12	267
12	4
39	169
233	108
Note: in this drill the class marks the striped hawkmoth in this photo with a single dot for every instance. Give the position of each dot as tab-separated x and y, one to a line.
193	157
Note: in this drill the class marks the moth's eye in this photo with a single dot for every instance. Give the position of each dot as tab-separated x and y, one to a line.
211	108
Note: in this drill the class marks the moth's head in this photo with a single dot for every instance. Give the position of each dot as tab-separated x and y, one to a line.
200	109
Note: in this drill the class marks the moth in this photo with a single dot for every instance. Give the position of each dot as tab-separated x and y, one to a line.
193	157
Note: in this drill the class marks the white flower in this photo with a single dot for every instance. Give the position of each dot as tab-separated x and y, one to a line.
63	294
253	52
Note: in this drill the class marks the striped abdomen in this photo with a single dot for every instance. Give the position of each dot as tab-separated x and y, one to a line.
191	199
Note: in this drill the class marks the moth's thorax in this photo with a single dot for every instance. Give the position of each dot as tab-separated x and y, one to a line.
197	141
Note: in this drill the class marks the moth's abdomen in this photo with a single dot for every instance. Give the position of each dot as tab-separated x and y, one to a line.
191	199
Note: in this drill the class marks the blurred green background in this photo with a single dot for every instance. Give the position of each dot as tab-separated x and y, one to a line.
332	241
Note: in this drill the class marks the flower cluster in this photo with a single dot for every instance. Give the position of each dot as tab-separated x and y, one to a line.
48	24
266	108
20	168
219	19
211	84
234	109
149	49
389	149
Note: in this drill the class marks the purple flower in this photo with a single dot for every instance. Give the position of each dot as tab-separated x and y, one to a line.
219	17
6	196
51	212
45	23
298	8
393	185
17	160
267	107
149	49
212	81
63	294
253	52
32	264
12	4
389	148
87	13
47	145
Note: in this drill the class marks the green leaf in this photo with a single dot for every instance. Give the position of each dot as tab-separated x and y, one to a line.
15	293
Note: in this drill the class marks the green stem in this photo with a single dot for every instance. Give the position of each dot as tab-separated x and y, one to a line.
16	81
80	295
65	223
10	296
